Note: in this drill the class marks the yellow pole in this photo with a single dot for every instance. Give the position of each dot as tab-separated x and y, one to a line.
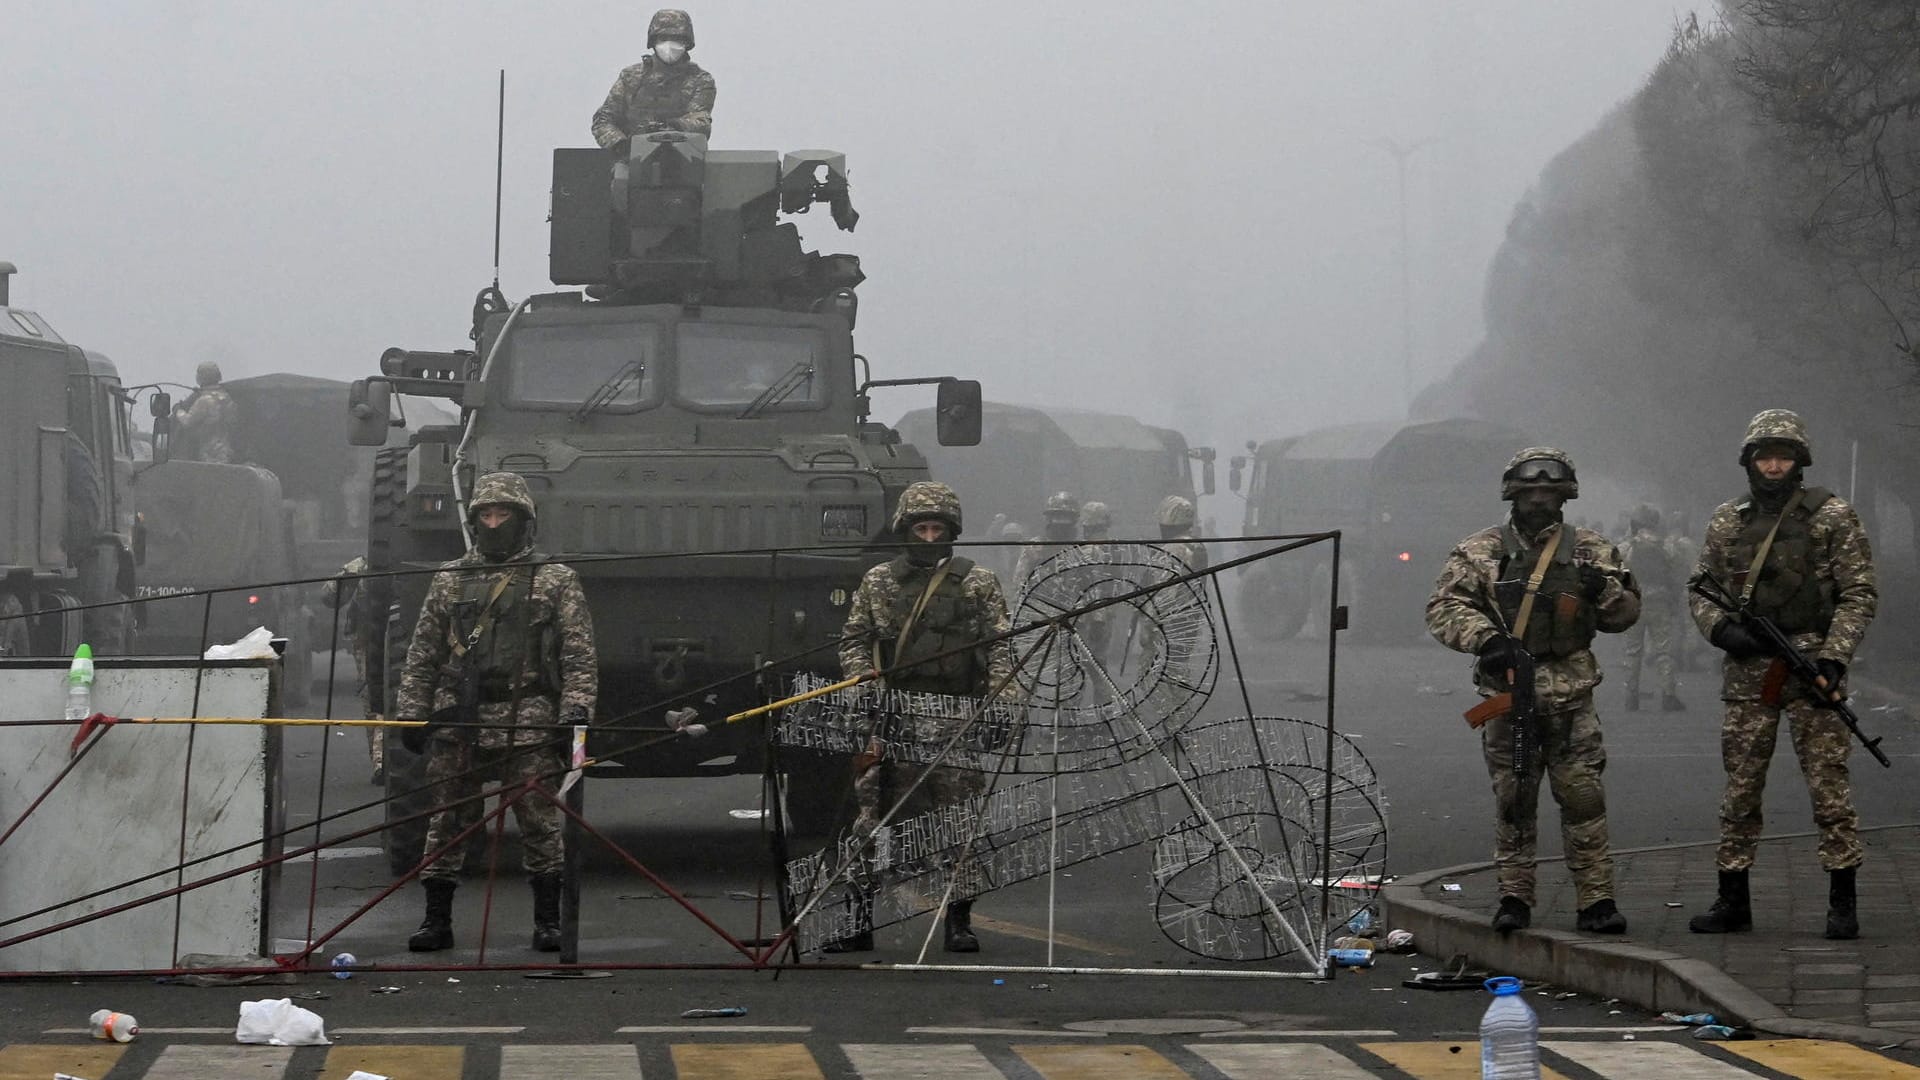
798	698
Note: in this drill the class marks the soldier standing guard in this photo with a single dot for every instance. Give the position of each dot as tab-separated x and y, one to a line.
1799	556
665	91
1537	584
205	419
1175	517
925	602
1651	559
1061	525
346	592
501	629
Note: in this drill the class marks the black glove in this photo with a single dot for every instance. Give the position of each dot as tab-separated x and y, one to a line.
1832	671
576	715
414	739
1593	582
1498	656
1739	640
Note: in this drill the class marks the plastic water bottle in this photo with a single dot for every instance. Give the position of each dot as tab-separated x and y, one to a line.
80	684
343	965
110	1025
1509	1034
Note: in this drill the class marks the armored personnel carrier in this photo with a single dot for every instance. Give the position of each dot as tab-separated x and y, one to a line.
700	401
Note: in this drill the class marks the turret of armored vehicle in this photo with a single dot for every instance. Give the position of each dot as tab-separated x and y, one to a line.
708	407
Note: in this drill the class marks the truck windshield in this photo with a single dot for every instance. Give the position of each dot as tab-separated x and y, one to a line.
726	365
560	366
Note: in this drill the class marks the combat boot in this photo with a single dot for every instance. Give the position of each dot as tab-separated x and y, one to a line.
546	912
436	930
1600	917
1672	703
1514	914
1732	910
960	927
1843	919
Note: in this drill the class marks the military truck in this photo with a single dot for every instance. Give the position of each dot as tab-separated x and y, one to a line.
1027	453
67	530
701	400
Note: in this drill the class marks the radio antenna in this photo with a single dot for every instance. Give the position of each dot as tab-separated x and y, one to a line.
499	158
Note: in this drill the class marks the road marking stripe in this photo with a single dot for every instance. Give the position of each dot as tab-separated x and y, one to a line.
1818	1058
1057	1062
601	1061
713	1029
1454	1060
1300	1033
200	1062
38	1061
145	1030
428	1031
406	1062
743	1061
1036	933
1285	1061
914	1061
1016	1033
1635	1060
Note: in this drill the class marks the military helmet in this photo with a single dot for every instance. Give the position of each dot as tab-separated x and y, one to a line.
1777	425
670	23
1175	511
207	374
501	489
927	499
1063	504
1540	466
1644	516
1095	515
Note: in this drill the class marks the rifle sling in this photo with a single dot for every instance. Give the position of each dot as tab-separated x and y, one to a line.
1766	546
1533	585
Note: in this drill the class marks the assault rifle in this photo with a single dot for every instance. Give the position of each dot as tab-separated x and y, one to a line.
1518	704
1715	592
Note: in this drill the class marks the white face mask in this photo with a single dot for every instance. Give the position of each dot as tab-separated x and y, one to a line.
670	52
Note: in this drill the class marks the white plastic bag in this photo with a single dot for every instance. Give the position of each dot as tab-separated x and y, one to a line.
257	645
279	1022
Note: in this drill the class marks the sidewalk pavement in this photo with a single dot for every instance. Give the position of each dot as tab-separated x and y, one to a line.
1783	978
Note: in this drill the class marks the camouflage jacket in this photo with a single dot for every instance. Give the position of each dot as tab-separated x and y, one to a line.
206	425
556	611
1462	613
1655	568
870	619
1843	564
651	96
1186	550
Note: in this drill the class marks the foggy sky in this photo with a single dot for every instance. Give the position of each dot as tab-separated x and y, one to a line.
1177	212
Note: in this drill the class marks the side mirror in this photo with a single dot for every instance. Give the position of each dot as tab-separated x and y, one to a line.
957	412
370	409
1235	466
1205	455
159	405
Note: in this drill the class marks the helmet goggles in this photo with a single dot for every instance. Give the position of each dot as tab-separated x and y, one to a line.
1540	471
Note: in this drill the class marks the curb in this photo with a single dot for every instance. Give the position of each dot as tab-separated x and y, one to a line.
1655	979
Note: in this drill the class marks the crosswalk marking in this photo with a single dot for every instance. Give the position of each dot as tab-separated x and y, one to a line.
38	1061
955	1061
411	1062
1279	1061
1827	1060
192	1062
1056	1062
1004	1033
744	1061
1443	1060
1669	1061
588	1061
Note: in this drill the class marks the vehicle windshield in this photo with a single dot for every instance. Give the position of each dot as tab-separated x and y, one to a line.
732	365
562	366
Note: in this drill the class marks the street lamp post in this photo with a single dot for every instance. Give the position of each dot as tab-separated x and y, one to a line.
1402	153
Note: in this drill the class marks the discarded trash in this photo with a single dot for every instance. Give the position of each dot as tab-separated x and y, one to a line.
1566	996
386	989
312	995
113	1027
362	1074
1351	942
1449	886
747	815
80	684
1509	1034
256	645
1694	1019
682	720
67	1076
1354	958
343	965
709	1014
269	972
1720	1033
279	1022
453	980
999	982
1675	903
1398	941
1362	922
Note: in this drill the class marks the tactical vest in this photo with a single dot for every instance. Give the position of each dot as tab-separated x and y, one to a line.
1652	564
945	623
1562	622
1789	591
504	651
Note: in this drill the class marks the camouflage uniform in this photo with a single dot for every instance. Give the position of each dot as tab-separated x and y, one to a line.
1683	552
652	96
1651	560
1063	521
538	668
346	593
1176	517
205	420
966	606
1465	612
1822	545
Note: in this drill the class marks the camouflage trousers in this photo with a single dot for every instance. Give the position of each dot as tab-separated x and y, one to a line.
369	708
1822	742
880	787
540	821
1652	638
1568	752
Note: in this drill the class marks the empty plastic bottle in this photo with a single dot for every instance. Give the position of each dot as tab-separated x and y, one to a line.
343	965
1509	1034
107	1024
80	684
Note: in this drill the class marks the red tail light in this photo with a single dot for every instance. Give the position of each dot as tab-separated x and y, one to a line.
1405	556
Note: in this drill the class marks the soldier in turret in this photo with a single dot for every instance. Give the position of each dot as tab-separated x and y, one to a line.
204	421
665	91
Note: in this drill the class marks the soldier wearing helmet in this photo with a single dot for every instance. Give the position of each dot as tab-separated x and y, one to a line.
502	654
1538	584
665	91
1659	577
203	423
1799	556
924	617
1176	517
1062	527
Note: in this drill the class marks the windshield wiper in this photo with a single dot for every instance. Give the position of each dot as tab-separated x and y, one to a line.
781	390
603	395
